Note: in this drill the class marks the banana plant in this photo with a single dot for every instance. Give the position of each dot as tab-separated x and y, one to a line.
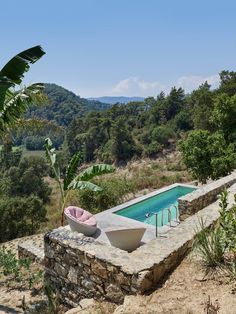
72	180
13	103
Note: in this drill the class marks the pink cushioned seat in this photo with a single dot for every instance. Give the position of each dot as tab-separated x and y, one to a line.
81	220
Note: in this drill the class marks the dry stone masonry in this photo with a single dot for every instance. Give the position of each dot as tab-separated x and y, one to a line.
80	267
204	196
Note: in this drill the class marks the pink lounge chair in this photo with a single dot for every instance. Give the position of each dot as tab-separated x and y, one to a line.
80	220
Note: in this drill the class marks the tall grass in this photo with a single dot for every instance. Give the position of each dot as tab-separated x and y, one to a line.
209	245
137	178
217	246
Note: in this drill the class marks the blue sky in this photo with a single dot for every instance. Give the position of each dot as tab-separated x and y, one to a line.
122	47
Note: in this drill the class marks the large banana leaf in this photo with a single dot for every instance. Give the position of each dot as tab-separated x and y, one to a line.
71	169
50	152
82	185
95	170
13	72
14	69
17	103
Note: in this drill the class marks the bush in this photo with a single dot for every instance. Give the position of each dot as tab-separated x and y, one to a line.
209	246
162	134
217	246
19	269
27	179
20	217
112	194
207	155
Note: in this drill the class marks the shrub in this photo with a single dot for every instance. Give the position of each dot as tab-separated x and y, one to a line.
209	246
217	246
20	216
18	268
162	134
112	194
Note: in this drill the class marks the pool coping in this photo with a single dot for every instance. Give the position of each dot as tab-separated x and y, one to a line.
108	220
146	196
82	267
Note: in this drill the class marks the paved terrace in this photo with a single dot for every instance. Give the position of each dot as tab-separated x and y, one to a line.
109	220
79	267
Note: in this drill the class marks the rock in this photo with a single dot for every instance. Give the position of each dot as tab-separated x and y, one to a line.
85	303
99	269
60	270
91	306
74	311
114	294
88	284
72	275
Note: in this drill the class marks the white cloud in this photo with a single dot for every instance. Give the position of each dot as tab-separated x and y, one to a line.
136	86
189	83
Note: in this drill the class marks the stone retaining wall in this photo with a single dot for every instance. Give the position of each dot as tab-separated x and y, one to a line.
202	197
79	267
29	249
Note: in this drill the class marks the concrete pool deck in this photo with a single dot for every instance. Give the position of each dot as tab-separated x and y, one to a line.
79	267
109	220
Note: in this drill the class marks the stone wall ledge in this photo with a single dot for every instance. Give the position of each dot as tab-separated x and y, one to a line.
78	265
204	196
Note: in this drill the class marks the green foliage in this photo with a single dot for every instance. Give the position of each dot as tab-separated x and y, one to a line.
19	269
195	155
217	245
64	106
223	116
27	179
20	216
112	193
9	159
51	306
123	147
128	131
228	223
71	170
209	246
152	149
14	103
72	181
23	195
201	101
207	155
162	134
228	82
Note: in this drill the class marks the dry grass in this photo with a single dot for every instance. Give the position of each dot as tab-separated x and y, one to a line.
135	179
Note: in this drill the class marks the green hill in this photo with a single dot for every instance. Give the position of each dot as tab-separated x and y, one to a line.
64	106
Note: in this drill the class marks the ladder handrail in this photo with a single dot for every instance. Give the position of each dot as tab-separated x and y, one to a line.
151	213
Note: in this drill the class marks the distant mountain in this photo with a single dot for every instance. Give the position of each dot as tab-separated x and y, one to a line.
64	106
116	99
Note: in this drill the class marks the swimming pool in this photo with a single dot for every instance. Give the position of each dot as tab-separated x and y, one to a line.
159	203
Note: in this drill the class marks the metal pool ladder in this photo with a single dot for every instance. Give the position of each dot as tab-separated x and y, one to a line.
157	214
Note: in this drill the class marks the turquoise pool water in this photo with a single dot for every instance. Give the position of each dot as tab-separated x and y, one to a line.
158	203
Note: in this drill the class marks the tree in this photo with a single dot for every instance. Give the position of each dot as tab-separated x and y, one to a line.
162	134
26	179
72	180
201	101
228	82
223	117
123	146
174	102
14	103
20	216
207	155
